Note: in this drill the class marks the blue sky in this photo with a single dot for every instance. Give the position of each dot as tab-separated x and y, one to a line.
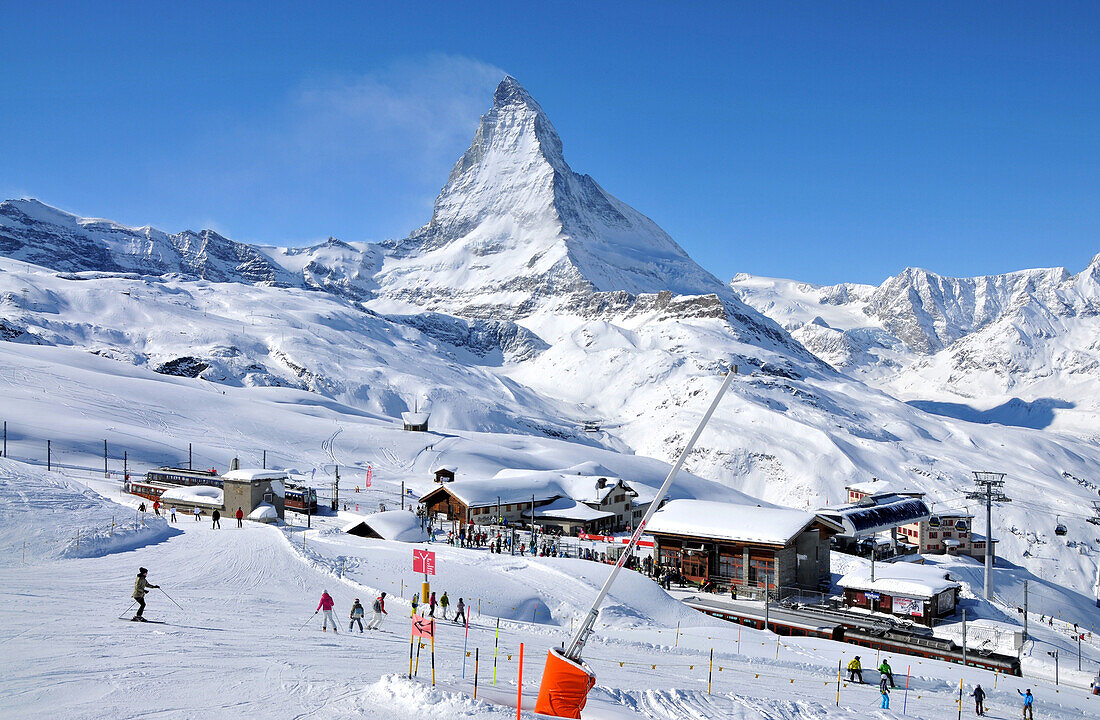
826	144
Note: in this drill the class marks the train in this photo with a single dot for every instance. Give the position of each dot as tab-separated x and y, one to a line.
298	497
788	621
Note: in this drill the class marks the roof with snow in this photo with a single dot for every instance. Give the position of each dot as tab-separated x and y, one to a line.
732	521
415	418
877	513
904	579
194	495
521	486
252	474
568	509
399	525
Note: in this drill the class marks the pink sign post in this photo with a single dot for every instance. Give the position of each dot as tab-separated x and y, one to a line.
424	562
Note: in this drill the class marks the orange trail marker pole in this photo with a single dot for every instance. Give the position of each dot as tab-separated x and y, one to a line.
710	676
433	658
476	658
412	640
519	685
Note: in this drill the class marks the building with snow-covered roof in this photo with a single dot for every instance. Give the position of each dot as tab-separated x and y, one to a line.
415	421
399	525
247	489
918	592
744	548
556	499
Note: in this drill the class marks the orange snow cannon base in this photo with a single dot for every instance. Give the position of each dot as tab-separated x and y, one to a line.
565	685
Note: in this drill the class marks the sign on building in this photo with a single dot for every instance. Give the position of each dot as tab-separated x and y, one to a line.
908	606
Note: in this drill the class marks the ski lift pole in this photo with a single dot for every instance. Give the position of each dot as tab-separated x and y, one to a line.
576	644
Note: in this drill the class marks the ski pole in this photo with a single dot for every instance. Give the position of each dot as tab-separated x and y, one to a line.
307	621
127	609
170	598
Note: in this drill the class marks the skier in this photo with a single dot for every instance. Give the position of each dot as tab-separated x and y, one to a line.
141	587
415	603
356	615
460	612
431	606
379	608
141	508
216	516
885	670
198	514
885	690
1029	700
444	602
979	700
173	511
240	517
855	668
156	508
326	604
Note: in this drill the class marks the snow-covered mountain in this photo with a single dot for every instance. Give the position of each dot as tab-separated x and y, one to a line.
514	225
534	302
1032	336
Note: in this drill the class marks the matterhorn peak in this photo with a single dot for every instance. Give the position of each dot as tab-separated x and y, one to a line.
514	226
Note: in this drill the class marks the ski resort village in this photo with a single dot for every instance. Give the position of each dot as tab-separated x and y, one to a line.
533	460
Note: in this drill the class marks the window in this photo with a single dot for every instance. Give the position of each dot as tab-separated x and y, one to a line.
670	556
933	534
731	566
761	568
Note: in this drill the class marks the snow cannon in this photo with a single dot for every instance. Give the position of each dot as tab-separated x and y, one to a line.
566	679
565	685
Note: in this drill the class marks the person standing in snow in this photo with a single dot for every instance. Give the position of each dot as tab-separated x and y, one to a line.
979	700
141	588
460	612
1029	701
379	608
156	508
326	605
885	690
886	671
356	615
431	606
444	602
198	514
172	510
141	508
415	602
855	668
217	516
240	517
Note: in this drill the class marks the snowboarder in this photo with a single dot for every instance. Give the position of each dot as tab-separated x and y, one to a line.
431	606
1029	700
885	670
444	602
141	587
356	615
216	516
198	514
326	604
460	612
240	518
979	700
855	668
885	690
379	608
415	602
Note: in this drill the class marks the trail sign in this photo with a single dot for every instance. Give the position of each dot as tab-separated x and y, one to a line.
424	562
423	627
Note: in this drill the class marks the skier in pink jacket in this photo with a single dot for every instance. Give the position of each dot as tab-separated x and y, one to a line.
326	605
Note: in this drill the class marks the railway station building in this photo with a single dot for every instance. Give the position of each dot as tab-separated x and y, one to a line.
744	548
919	593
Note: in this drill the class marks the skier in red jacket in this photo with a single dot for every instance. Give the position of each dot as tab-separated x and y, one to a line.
240	517
326	605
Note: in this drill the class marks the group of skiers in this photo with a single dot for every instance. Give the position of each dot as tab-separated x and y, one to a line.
886	683
216	515
443	603
327	604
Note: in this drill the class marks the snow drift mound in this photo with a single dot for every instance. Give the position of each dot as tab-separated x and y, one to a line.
60	518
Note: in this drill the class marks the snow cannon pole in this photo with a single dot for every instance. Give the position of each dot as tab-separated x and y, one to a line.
566	680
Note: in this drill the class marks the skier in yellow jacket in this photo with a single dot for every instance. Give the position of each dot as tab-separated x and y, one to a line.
141	587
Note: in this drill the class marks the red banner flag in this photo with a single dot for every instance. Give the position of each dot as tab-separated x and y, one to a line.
370	474
423	627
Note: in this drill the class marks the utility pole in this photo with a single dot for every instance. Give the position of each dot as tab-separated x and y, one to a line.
767	615
5	453
1025	609
49	457
402	494
265	460
1054	654
989	489
125	467
189	457
336	489
964	637
106	474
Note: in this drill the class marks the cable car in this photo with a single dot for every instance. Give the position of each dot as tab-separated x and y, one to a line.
960	525
1060	529
934	521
